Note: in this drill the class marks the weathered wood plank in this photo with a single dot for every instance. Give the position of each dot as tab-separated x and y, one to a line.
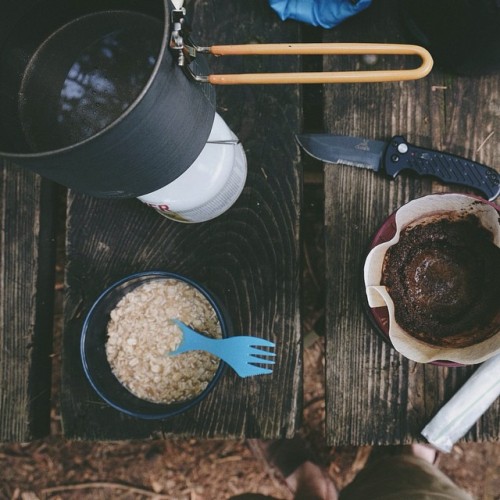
27	263
374	395
248	257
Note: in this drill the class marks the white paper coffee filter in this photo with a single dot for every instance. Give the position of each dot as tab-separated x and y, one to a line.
377	295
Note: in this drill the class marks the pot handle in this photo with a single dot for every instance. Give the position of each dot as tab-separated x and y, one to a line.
319	49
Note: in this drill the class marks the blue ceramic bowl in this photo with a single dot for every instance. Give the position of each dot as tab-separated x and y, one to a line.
95	362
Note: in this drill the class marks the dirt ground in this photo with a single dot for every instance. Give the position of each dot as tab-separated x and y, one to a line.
193	469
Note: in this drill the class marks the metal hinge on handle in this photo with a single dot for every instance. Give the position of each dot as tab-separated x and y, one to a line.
187	52
178	34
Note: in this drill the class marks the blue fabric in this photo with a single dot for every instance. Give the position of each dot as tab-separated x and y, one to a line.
324	13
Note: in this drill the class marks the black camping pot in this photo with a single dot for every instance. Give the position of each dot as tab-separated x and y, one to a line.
91	97
104	96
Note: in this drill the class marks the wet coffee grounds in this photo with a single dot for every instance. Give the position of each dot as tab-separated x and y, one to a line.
443	276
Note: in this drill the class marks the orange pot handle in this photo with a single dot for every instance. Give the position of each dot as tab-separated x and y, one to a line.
319	49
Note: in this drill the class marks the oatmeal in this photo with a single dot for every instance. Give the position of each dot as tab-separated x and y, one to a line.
141	334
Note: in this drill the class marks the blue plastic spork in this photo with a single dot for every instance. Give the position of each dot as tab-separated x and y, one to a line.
238	352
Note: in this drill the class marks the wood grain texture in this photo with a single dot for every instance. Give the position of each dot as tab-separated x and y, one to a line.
27	263
248	257
374	395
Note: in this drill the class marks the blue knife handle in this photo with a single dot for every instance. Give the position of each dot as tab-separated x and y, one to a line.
401	155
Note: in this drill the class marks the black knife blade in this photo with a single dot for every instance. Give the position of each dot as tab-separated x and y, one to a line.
397	155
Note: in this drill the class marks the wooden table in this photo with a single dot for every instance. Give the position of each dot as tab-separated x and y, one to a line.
248	257
27	257
373	394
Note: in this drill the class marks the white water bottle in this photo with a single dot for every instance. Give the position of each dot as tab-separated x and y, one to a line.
210	186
